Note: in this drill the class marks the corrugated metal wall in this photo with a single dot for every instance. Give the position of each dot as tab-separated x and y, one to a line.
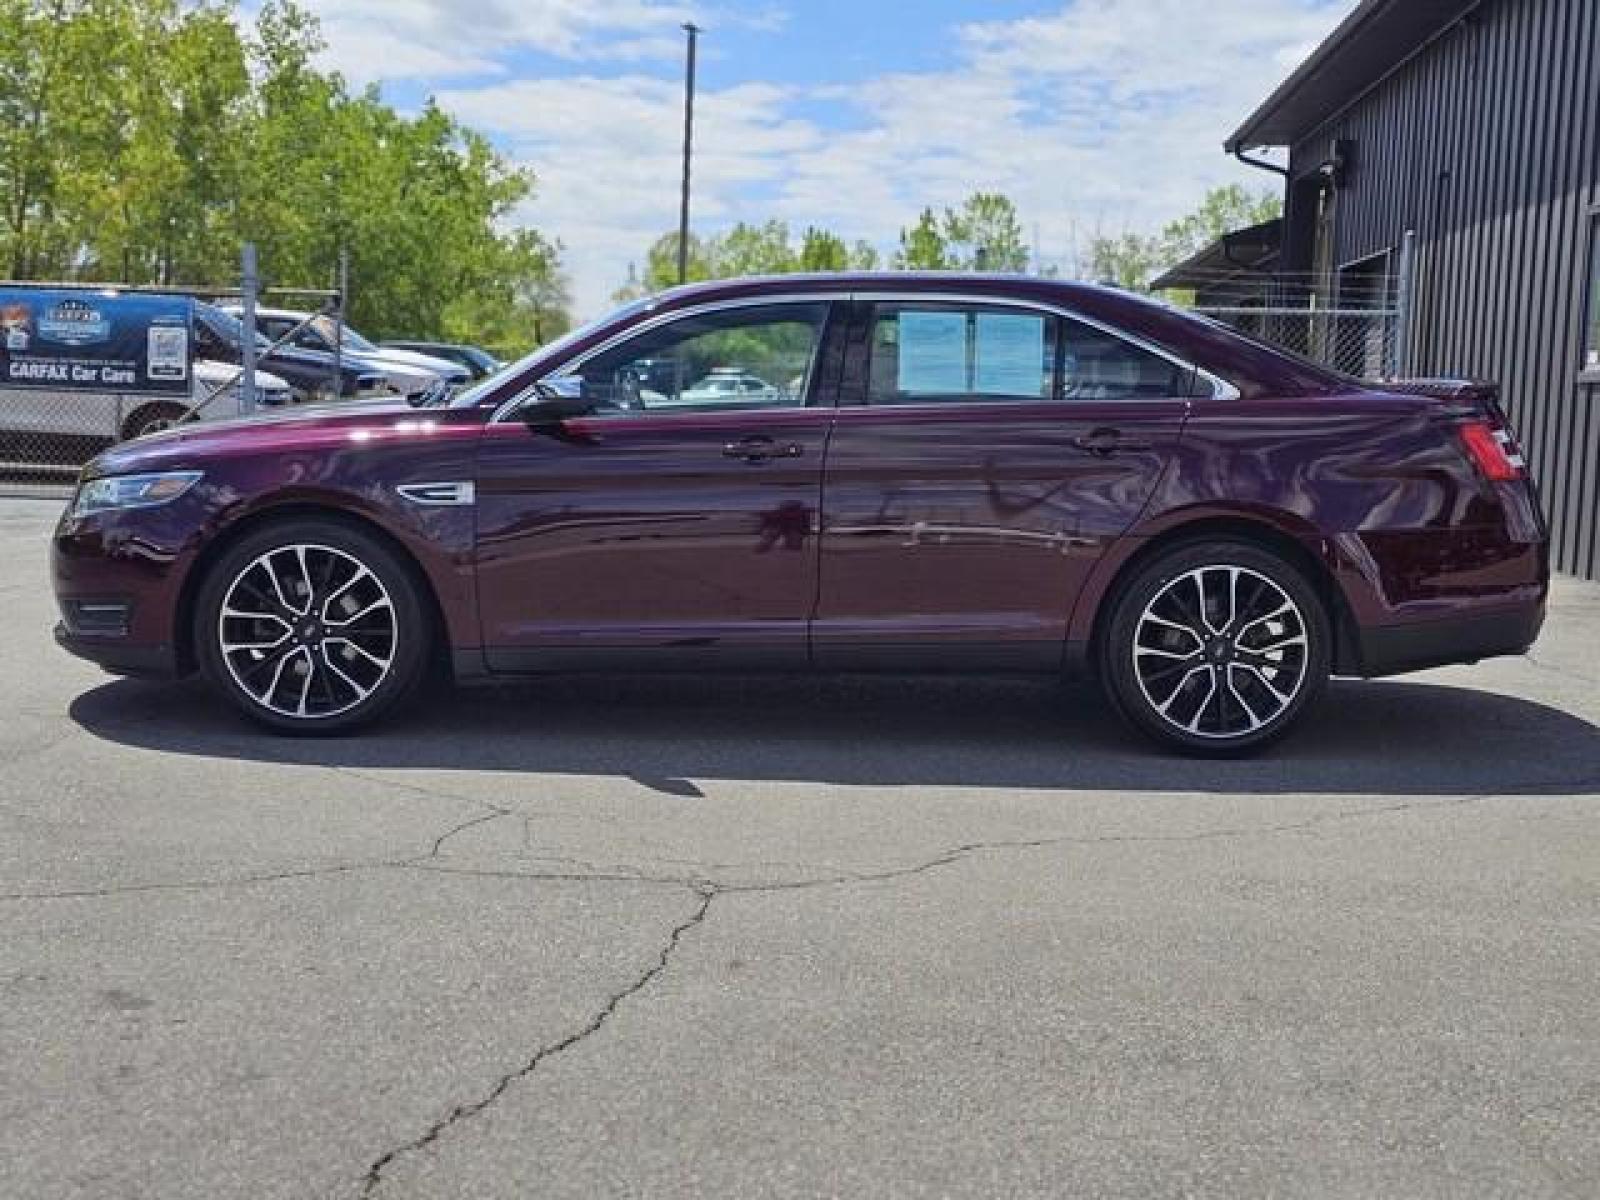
1488	145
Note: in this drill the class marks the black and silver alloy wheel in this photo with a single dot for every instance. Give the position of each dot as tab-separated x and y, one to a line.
307	631
1220	651
313	627
1215	647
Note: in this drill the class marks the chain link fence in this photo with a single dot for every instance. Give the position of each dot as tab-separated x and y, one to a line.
1364	342
1353	317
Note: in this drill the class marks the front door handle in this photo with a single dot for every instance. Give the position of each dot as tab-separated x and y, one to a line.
1109	441
761	449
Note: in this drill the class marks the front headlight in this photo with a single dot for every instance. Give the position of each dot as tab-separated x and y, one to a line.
132	491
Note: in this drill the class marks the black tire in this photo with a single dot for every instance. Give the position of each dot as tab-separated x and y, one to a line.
153	418
330	701
1188	659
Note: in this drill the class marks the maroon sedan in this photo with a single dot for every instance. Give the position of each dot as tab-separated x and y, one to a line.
844	473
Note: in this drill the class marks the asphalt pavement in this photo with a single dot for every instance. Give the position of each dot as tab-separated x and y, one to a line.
738	937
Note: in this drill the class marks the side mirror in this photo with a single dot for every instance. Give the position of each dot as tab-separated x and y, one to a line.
557	400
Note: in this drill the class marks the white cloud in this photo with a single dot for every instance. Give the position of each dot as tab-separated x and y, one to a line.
1104	115
434	40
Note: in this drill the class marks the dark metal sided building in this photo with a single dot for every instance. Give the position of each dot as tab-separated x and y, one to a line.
1475	123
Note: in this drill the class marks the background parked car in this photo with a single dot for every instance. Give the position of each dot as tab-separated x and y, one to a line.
105	417
405	372
310	373
475	359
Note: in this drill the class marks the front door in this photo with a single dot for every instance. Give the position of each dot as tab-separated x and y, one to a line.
983	459
676	525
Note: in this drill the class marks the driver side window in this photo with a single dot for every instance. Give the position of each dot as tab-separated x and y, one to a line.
759	356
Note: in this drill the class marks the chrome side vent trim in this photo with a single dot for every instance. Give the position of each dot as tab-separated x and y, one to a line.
437	494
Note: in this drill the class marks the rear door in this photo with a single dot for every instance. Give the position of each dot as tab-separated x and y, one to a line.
983	458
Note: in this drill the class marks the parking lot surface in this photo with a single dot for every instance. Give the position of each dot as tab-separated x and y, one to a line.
685	937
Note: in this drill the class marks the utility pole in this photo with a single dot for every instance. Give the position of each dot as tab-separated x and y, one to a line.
693	31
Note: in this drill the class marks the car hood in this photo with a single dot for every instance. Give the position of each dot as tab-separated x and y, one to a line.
302	430
439	366
212	373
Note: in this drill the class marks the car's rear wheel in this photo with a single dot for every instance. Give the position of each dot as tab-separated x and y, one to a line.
312	626
1216	648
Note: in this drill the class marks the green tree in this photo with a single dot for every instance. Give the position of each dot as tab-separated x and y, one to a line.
821	250
923	247
864	256
745	249
46	121
984	234
145	140
1128	260
753	250
1222	210
523	300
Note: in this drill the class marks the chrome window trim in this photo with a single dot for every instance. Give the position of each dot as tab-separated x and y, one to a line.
1221	389
666	318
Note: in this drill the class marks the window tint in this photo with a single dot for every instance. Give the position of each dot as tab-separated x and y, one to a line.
948	352
1098	366
754	357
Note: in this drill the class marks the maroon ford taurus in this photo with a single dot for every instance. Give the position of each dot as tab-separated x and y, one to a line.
842	473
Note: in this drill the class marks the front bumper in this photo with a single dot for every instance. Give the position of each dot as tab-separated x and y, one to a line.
116	655
118	580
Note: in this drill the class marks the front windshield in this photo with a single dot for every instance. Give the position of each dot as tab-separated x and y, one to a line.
476	393
329	329
229	327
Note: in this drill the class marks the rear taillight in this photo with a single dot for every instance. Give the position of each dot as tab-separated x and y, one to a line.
1493	451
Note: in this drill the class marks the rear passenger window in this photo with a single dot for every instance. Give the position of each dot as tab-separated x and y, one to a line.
1099	366
932	353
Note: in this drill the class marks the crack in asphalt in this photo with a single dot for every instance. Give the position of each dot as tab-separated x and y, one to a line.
592	873
196	885
462	1112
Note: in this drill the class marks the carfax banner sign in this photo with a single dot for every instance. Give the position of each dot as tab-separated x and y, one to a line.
78	340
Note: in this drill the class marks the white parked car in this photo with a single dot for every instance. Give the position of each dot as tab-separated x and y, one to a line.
213	393
732	386
405	371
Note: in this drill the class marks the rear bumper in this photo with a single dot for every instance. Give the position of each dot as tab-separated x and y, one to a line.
1466	638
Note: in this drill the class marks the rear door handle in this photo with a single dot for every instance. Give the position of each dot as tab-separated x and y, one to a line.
760	449
1109	441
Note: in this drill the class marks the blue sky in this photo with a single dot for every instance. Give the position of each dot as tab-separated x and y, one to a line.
1096	116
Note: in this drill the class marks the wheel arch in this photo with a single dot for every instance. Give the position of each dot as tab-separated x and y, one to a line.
200	569
1259	531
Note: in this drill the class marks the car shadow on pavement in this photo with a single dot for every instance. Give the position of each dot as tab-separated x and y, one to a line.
1399	738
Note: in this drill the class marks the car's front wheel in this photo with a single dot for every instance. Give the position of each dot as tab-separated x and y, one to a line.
1216	648
312	626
